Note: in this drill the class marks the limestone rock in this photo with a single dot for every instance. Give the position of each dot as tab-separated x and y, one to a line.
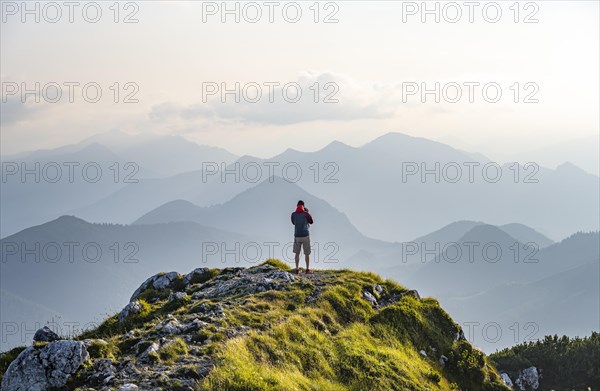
133	307
506	379
129	387
528	378
169	326
45	335
39	369
443	360
177	296
369	296
195	275
160	281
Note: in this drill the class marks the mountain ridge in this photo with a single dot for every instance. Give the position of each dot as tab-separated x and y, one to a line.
263	328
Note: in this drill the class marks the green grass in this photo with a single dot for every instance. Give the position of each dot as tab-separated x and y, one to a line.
277	264
202	278
173	349
341	342
108	349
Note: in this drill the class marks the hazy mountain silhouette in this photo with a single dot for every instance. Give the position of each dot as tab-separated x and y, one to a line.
526	234
570	252
133	200
473	272
454	231
481	256
172	155
156	155
565	303
582	152
347	176
27	203
449	233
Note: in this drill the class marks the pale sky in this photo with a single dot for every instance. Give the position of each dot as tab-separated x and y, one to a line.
370	56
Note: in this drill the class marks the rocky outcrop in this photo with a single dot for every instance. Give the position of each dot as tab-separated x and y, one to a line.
150	351
160	281
196	275
45	335
169	326
38	369
370	298
239	281
174	296
506	379
528	379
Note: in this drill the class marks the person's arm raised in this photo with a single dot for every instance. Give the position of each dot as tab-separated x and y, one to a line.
310	219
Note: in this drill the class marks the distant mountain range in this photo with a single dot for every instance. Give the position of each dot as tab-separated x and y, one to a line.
565	302
344	176
156	156
75	176
454	231
486	256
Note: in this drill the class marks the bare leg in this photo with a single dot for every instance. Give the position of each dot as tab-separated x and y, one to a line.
307	259
297	258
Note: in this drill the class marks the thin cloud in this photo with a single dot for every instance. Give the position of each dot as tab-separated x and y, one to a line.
323	97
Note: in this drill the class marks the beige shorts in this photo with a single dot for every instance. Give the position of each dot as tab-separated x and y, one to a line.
303	242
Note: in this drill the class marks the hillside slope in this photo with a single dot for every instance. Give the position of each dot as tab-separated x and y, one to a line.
263	328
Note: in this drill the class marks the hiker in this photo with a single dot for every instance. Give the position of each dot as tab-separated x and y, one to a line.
301	220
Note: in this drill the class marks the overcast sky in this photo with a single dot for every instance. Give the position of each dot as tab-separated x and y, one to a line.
369	61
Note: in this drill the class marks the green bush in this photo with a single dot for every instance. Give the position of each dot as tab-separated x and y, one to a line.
566	363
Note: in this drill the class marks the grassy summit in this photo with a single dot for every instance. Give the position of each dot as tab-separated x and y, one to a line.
263	328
